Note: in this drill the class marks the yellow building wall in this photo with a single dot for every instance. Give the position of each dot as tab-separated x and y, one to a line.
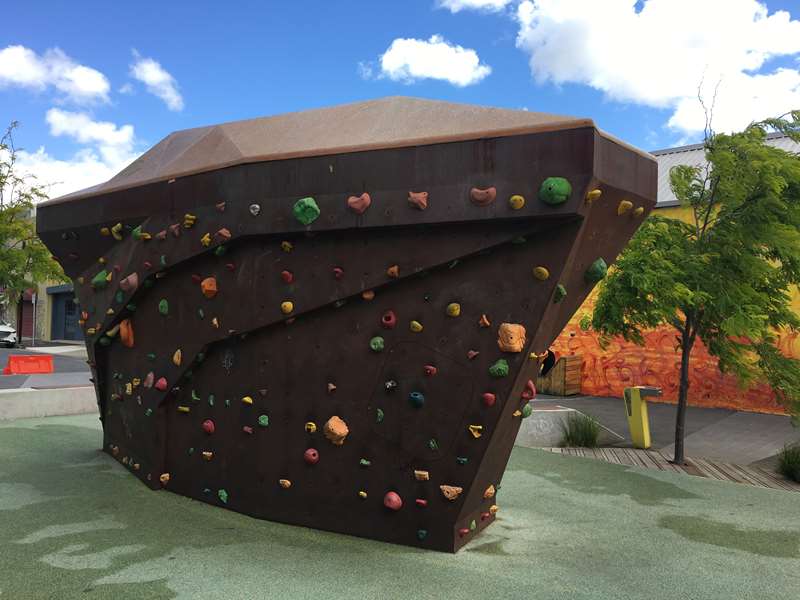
607	371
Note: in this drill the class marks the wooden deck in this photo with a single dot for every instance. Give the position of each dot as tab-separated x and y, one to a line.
653	459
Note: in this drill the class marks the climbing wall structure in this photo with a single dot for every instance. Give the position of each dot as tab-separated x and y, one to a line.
333	318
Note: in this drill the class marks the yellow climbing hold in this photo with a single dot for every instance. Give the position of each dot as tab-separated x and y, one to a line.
415	326
247	400
184	409
362	494
516	202
177	357
189	220
476	430
286	246
287	307
206	240
116	231
105	231
541	273
624	206
593	195
110	311
285	483
638	211
516	413
453	309
101	260
421	475
311	427
493	509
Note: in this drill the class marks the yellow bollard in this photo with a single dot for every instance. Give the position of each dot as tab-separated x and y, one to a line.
636	408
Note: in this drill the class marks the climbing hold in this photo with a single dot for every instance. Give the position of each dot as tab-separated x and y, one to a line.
161	384
310	427
471	354
126	333
284	483
222	235
177	357
484	321
433	444
422	534
116	231
453	309
163	306
207	455
306	210
462	460
113	331
164	478
378	415
129	283
511	337
489	399
215	322
206	239
451	492
527	411
638	211
247	400
418	200
541	273
223	496
247	429
489	492
388	320
555	191
336	430
219	251
430	370
220	206
499	369
463	531
189	220
364	462
415	326
368	295
593	195
472	525
390	385
392	501
311	456
175	229
184	409
105	231
596	271
287	276
417	399
483	197
475	430
559	294
516	202
393	271
421	502
287	246
529	393
263	421
359	204
331	387
338	272
100	280
209	287
149	379
624	206
376	344
254	209
362	494
421	475
161	235
208	426
485	515
493	509
287	307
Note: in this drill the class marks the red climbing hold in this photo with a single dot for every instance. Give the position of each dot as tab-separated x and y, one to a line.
421	502
208	426
287	276
311	456
430	370
489	399
463	531
485	516
161	384
338	272
529	393
393	501
389	319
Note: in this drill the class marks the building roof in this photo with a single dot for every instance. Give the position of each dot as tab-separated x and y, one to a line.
694	156
391	122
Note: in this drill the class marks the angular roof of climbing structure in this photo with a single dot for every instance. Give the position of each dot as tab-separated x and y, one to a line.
392	122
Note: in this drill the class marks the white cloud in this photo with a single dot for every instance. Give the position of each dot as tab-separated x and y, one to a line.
409	60
22	67
157	81
455	6
658	55
107	149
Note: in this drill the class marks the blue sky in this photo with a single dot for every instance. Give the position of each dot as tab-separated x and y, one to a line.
633	67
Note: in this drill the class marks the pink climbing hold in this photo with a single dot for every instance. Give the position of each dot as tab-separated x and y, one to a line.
359	204
247	429
430	370
129	283
338	272
393	501
472	354
161	384
230	266
287	276
418	200
148	265
161	235
149	379
529	393
485	516
483	197
421	502
311	456
197	278
208	426
489	399
389	319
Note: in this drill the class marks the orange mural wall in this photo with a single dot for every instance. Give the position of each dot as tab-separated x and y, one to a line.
606	372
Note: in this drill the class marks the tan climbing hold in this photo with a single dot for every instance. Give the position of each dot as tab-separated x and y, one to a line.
285	483
208	455
483	197
451	492
209	287
105	231
393	271
368	295
215	323
484	321
421	475
593	195
489	493
164	478
476	430
418	200
511	337
126	333
177	358
311	427
541	273
336	430
624	206
493	509
638	211
516	413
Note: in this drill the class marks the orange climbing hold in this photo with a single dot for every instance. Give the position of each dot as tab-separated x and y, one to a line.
511	337
126	333
209	287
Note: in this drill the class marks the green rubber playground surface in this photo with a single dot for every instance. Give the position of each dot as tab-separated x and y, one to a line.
75	524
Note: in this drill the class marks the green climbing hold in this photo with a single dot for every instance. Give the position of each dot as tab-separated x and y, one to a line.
462	460
376	344
422	534
105	341
211	399
100	280
220	251
137	232
306	210
472	525
263	420
148	283
201	356
223	496
119	297
151	356
162	260
596	271
364	462
195	397
131	306
433	444
520	239
148	412
499	369
227	401
191	450
201	313
559	294
555	191
378	415
527	410
163	307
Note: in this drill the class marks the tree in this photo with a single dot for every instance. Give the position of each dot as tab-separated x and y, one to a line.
727	276
24	259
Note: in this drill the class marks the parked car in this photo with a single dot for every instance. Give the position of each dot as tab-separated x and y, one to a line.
8	335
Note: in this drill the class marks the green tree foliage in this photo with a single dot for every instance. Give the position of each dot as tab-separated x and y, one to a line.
24	259
727	276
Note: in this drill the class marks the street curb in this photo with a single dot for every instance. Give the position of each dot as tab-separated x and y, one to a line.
27	403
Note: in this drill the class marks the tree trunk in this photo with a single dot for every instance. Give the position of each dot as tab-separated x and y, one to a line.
20	300
687	341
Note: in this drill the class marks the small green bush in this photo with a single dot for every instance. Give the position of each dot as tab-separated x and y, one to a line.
789	462
580	431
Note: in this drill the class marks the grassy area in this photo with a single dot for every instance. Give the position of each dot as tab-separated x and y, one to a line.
580	430
789	462
74	524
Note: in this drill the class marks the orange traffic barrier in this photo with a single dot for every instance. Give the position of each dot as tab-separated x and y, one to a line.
26	364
